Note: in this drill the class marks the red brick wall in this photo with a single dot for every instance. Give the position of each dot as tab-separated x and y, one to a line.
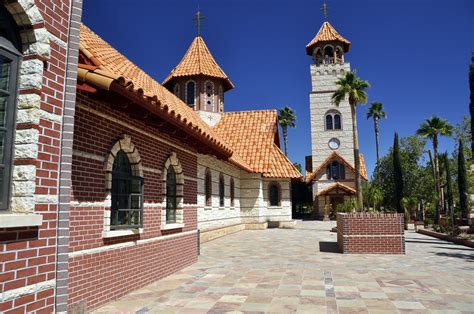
92	278
371	233
28	255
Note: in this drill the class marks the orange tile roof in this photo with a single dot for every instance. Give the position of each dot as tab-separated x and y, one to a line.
110	65
198	60
253	135
337	185
335	155
327	33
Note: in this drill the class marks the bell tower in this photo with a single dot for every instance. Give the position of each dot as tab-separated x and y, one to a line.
199	81
332	155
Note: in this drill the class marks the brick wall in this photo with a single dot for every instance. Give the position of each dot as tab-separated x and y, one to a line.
102	268
28	255
371	233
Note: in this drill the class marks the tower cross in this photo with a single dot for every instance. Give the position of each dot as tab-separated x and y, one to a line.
198	18
325	10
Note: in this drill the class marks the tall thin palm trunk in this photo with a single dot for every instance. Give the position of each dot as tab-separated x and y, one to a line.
376	127
437	183
285	139
355	138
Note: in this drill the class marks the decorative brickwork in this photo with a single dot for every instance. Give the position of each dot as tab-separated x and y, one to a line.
370	233
149	253
32	265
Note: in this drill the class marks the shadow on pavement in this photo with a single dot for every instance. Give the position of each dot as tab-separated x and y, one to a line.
328	247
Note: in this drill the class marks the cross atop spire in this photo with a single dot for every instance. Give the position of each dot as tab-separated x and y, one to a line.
325	10
198	18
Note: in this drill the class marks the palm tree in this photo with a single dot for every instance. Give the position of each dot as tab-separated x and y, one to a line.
353	88
433	128
286	118
376	112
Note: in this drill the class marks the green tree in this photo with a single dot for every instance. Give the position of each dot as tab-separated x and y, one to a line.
286	118
471	104
418	183
298	166
397	175
433	128
462	181
376	113
352	87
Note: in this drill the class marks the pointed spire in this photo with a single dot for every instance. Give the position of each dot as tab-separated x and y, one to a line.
327	33
198	60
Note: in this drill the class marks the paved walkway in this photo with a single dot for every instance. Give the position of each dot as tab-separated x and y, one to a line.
296	270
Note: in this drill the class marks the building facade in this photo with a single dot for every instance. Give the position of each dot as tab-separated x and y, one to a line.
106	173
331	165
38	40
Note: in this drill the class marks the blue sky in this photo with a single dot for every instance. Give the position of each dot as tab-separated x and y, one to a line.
415	53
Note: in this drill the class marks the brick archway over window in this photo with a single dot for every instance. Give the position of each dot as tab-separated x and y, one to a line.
133	156
173	161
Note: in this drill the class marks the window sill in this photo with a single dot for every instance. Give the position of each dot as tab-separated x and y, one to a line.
9	220
172	226
207	207
121	233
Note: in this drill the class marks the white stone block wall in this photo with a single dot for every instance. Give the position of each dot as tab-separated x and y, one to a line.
215	216
323	80
251	197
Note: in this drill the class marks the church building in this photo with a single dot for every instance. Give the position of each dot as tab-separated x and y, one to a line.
330	168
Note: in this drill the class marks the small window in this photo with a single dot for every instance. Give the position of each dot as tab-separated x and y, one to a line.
176	90
127	195
337	121
329	120
336	171
171	196
221	190
333	120
274	194
208	188
190	93
232	192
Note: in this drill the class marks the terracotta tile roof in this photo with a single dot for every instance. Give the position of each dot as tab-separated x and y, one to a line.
327	33
253	135
336	156
337	185
198	60
110	65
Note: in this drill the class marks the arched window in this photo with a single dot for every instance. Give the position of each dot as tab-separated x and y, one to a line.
171	196
190	93
339	55
208	188
274	194
318	56
328	55
329	122
127	195
333	120
221	99
335	171
9	61
337	121
221	190
232	192
176	90
209	96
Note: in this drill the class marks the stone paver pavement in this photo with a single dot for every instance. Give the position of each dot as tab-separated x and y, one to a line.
297	270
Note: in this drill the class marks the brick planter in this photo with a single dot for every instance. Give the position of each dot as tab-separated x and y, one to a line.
370	233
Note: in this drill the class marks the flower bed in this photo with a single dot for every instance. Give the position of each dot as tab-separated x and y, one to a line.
370	233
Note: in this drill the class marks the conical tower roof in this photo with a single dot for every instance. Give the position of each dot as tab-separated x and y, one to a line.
198	60
327	33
